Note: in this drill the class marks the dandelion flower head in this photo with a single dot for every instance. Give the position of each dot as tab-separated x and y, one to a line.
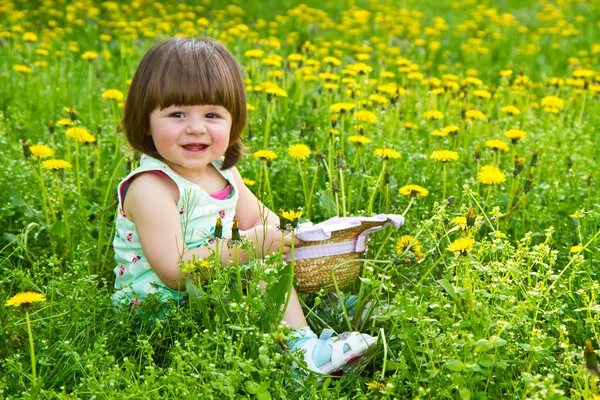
265	155
56	165
113	94
444	155
515	134
299	151
414	191
366	116
387	153
41	151
359	139
496	145
80	135
433	115
24	298
408	243
462	245
490	175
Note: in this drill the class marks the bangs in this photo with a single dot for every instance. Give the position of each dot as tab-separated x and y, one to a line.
196	76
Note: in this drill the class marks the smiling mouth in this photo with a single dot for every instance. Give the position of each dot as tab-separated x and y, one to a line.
195	147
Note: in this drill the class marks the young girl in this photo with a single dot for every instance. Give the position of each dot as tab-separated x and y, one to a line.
185	112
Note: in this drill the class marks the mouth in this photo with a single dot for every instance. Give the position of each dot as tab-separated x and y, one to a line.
195	147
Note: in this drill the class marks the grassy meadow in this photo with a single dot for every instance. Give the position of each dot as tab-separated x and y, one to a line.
476	120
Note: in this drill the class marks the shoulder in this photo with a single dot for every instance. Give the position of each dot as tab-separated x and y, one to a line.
150	189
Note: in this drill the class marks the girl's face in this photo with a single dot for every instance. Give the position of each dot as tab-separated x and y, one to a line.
189	138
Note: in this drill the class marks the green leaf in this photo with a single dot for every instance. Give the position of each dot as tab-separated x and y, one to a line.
81	200
196	296
15	198
498	342
251	387
482	345
276	293
448	288
455	365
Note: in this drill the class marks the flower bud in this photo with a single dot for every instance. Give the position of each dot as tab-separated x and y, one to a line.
26	151
471	216
477	153
534	158
340	160
235	231
218	234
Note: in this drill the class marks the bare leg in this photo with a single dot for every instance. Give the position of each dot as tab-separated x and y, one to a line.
294	316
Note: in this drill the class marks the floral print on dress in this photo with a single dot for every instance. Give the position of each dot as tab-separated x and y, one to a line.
222	213
129	237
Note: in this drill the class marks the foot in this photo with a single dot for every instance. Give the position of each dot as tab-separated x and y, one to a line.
335	355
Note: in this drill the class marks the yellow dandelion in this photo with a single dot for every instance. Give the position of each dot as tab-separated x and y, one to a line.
462	245
366	116
266	155
511	110
444	155
475	114
276	91
341	107
359	139
515	134
113	94
387	153
24	69
490	175
414	191
80	135
291	215
460	222
451	130
409	125
299	151
65	122
24	298
552	104
482	94
506	73
56	165
361	68
89	55
254	53
496	145
433	115
41	151
408	244
248	182
250	107
30	37
377	98
332	61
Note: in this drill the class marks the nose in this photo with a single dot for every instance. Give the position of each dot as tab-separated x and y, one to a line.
195	126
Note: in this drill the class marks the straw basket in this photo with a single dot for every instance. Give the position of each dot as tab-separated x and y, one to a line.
313	274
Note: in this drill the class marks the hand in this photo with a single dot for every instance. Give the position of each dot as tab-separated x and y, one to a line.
267	239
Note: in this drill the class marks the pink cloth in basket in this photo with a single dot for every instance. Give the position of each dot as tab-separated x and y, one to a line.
323	230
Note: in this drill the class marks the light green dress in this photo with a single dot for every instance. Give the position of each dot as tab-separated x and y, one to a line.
135	278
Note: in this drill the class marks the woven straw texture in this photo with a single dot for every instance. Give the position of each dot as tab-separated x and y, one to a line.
313	274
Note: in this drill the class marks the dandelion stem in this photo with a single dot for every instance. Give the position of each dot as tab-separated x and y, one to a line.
379	178
412	199
343	192
31	350
292	265
312	190
270	106
444	190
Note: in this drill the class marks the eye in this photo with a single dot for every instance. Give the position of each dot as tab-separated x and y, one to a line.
212	116
177	114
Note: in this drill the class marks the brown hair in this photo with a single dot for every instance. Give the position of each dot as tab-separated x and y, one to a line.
185	71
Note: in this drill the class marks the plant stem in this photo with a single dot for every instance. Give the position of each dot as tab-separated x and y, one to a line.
31	350
292	265
379	178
